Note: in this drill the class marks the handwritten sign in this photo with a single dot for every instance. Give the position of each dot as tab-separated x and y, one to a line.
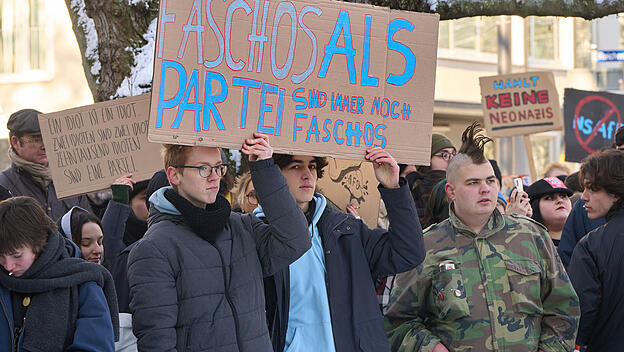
322	78
591	119
91	146
520	104
352	182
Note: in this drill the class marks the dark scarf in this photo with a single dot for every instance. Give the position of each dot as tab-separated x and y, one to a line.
205	223
52	281
135	229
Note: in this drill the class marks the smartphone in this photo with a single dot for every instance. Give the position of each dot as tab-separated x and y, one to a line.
519	184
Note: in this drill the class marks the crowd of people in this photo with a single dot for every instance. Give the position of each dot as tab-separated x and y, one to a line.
170	264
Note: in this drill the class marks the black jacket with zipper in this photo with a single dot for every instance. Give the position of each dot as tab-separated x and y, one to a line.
596	272
354	256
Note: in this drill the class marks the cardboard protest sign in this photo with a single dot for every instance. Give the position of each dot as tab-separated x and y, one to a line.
520	104
591	119
352	182
91	146
326	78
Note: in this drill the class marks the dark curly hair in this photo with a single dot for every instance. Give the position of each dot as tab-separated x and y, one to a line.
282	160
604	170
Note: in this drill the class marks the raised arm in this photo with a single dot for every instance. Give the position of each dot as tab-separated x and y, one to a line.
285	238
114	219
401	247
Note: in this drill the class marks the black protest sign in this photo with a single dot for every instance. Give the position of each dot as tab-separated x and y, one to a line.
591	119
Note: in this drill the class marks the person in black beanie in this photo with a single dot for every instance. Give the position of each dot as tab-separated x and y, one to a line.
196	277
550	201
52	301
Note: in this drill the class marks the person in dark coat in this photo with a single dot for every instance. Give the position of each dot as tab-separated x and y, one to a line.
597	261
123	235
50	300
29	173
196	276
326	300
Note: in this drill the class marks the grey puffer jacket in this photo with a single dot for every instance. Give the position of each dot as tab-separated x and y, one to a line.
20	184
188	294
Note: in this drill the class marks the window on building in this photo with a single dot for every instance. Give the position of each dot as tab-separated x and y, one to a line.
476	34
22	40
543	38
582	43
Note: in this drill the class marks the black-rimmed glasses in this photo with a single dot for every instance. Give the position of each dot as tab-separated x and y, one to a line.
446	155
206	170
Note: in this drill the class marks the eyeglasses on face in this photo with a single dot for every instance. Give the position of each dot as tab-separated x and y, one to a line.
206	170
252	198
446	155
32	138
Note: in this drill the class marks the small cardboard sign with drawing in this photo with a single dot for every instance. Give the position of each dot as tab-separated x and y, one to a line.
91	146
520	104
352	182
326	78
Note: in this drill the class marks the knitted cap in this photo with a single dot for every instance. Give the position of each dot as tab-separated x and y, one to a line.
439	142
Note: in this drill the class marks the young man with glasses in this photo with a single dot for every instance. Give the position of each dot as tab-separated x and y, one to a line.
196	276
442	151
29	174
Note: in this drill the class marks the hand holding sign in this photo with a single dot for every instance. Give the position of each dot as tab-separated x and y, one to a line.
386	168
125	180
258	148
352	209
321	78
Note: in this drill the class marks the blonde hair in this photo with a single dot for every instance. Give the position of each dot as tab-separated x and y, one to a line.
555	165
241	185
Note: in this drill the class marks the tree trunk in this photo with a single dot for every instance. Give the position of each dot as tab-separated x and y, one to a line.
111	35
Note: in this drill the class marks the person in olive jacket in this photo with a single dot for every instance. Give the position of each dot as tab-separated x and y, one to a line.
196	276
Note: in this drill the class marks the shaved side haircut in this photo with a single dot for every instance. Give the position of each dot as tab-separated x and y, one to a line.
470	152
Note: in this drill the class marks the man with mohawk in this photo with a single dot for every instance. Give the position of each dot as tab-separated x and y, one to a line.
489	282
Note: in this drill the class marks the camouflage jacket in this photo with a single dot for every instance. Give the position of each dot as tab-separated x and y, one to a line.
504	289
